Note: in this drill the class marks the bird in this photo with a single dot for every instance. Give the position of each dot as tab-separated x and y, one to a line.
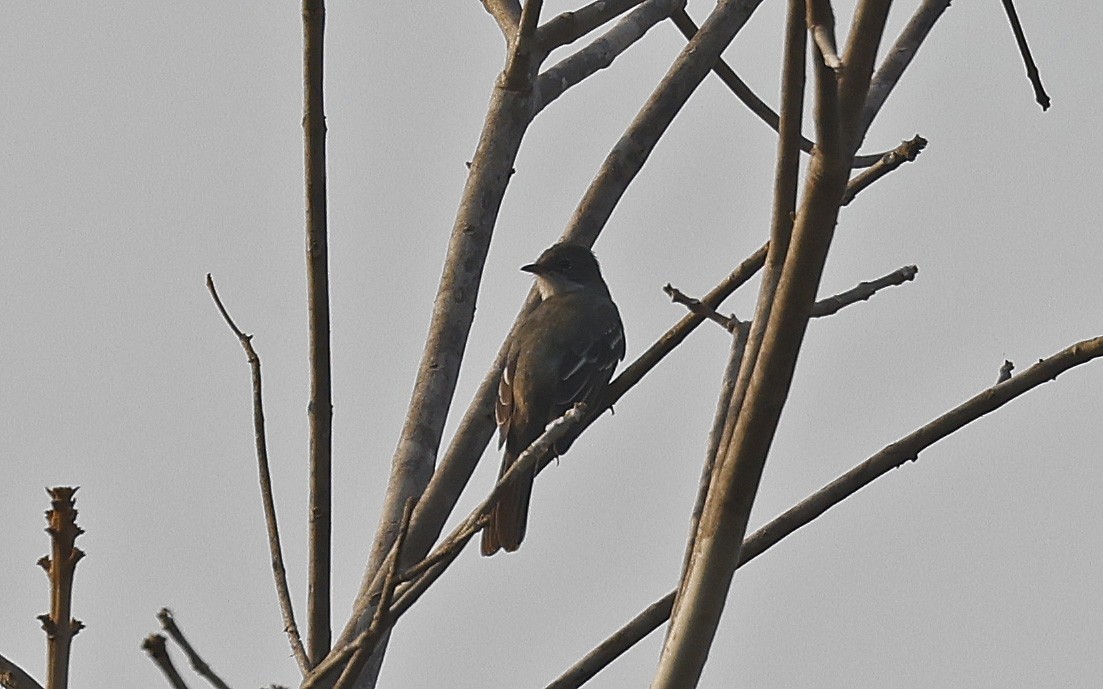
563	352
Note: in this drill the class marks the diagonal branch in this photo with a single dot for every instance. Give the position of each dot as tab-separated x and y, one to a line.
601	53
803	513
571	26
906	152
862	292
154	645
422	575
898	57
630	153
744	93
275	550
507	13
1040	94
198	664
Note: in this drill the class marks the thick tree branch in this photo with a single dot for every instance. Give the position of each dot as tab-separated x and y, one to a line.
423	574
898	57
508	117
601	53
571	26
821	24
632	150
507	13
275	549
525	54
704	590
803	513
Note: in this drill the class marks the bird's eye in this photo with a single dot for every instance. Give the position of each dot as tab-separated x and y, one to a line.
564	264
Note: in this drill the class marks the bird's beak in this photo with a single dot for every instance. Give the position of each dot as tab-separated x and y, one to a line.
534	268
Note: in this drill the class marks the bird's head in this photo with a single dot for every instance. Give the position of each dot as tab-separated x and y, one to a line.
566	267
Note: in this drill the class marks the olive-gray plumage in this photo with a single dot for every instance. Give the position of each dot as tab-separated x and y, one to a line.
563	353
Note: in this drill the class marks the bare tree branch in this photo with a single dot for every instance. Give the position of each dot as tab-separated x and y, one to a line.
14	677
803	513
862	292
422	575
906	152
366	643
601	53
275	549
320	408
507	13
898	57
821	23
1040	94
571	26
154	645
744	93
704	590
695	306
198	664
525	54
632	150
60	566
508	117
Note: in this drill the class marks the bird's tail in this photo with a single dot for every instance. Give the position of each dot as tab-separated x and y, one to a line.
510	514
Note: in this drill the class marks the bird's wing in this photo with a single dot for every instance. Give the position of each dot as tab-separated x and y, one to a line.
589	364
503	405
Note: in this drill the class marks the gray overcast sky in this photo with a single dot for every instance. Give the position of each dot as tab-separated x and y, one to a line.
146	143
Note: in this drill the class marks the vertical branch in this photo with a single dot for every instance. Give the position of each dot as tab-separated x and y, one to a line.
60	566
739	469
320	409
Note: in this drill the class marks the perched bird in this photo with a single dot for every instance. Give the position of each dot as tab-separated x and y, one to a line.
563	352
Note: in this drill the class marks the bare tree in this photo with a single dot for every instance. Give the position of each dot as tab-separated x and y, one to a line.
848	88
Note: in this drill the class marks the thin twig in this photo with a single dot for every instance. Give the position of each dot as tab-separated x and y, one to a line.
1040	94
275	550
60	566
154	645
320	407
862	292
198	664
748	97
890	457
906	152
695	306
